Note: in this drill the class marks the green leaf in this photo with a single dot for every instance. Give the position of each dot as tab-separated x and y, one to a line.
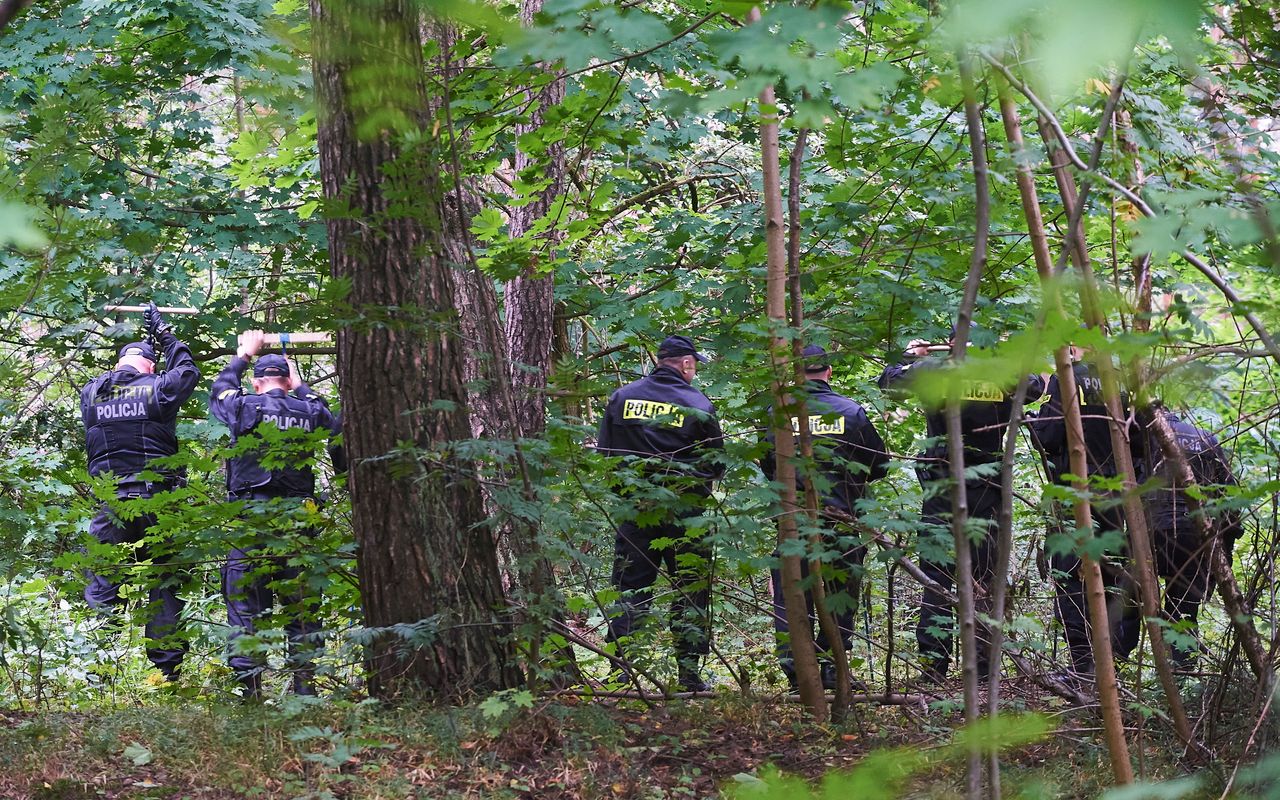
17	227
138	754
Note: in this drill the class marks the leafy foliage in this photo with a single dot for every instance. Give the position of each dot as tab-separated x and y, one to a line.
166	151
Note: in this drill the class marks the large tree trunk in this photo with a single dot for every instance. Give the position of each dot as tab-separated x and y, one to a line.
425	564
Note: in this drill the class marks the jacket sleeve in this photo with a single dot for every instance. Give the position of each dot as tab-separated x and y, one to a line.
604	441
894	377
710	447
178	381
86	400
227	391
337	451
869	448
1048	429
330	422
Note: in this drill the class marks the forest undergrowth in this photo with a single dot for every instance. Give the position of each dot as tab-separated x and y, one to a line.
171	746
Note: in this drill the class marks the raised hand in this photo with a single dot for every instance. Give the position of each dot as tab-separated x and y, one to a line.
250	342
156	325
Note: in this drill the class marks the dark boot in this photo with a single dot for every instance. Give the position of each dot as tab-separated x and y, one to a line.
688	679
829	680
304	683
251	686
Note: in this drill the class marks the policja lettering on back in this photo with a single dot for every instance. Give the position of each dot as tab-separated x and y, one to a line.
249	573
670	427
285	421
984	419
130	419
848	454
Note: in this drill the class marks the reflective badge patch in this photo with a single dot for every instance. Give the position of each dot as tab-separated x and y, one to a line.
228	393
653	411
1090	391
982	392
821	427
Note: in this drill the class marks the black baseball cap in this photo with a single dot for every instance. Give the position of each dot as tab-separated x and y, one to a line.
815	358
676	346
271	366
139	349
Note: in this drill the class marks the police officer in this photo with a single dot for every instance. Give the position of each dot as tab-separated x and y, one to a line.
985	410
1049	432
130	419
669	429
250	574
848	454
1182	558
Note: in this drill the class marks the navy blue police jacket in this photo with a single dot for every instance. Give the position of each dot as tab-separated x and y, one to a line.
244	413
847	448
664	419
984	415
1167	506
131	417
1049	427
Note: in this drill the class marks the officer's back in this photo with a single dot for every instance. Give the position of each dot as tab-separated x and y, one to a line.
1050	430
246	414
663	417
847	448
1168	505
130	412
985	409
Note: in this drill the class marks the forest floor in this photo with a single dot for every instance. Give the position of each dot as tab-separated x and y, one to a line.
522	747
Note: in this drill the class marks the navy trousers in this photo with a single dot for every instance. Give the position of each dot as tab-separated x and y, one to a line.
1183	562
165	644
936	552
687	561
848	571
249	580
1071	605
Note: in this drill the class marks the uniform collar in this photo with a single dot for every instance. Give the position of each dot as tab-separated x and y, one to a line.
664	372
276	392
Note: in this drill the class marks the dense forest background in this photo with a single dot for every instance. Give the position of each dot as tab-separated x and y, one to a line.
541	192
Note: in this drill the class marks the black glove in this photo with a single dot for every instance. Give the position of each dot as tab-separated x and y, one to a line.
155	322
160	330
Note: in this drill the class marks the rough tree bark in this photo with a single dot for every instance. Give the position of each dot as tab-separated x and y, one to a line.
802	647
530	296
424	562
529	329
